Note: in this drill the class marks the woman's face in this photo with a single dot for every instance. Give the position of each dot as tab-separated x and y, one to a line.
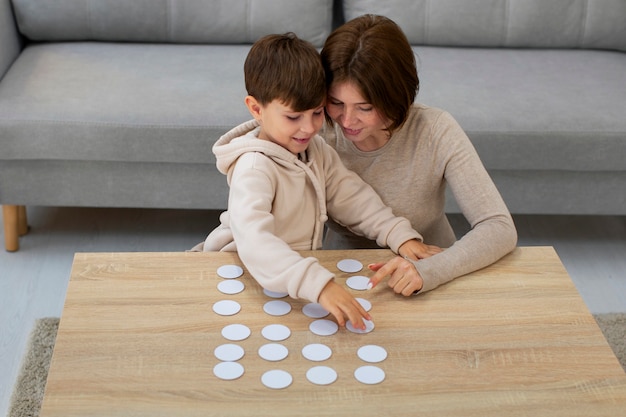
359	120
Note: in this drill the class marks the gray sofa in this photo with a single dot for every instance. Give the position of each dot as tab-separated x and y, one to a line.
116	103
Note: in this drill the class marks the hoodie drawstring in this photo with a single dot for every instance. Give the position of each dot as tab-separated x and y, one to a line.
321	203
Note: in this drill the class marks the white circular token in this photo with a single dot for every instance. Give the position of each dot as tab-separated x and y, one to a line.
226	307
316	352
324	327
321	375
236	332
228	370
231	286
369	326
273	352
276	332
367	306
277	308
349	265
358	282
369	374
230	271
372	353
276	379
229	352
274	294
314	310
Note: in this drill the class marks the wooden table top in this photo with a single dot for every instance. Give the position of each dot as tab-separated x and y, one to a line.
138	333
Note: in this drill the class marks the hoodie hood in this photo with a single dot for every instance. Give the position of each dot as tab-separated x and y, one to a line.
243	139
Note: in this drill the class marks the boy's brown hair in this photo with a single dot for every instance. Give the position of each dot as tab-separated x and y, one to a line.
374	54
286	68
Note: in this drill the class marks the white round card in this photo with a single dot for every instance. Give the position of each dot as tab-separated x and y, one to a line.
236	332
226	307
369	374
231	286
314	310
321	375
358	282
349	265
228	352
228	370
276	332
367	306
372	353
316	352
273	352
230	271
277	308
274	294
276	379
369	326
323	327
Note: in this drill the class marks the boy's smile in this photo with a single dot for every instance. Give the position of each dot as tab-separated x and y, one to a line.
280	124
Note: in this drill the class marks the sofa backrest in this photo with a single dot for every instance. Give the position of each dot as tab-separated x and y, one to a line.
590	24
172	21
10	44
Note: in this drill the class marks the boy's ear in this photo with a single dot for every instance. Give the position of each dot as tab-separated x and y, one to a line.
254	107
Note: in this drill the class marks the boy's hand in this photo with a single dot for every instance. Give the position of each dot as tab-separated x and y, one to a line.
338	302
414	249
403	277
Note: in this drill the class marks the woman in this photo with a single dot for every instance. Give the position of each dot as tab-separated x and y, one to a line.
408	153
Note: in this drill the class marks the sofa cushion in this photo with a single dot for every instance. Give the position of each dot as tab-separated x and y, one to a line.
176	21
593	24
532	109
121	102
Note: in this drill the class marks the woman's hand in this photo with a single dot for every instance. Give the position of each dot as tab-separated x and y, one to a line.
403	277
414	249
338	302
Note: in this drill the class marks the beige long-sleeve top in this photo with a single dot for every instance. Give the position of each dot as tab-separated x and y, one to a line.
278	204
411	172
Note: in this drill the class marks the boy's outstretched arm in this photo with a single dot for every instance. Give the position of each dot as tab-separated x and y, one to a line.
338	302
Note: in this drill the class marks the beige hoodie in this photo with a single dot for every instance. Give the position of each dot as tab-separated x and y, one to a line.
278	204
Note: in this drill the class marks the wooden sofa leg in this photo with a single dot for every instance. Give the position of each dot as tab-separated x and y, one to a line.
22	221
10	216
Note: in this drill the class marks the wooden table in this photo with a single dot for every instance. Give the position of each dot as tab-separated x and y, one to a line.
138	332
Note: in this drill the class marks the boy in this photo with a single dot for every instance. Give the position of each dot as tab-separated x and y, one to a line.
284	180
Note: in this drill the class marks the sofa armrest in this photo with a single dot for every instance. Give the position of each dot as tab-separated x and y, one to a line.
10	40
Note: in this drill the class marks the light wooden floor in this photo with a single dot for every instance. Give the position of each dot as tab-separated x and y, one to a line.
33	281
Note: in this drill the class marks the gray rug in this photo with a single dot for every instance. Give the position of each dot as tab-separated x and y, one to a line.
31	381
29	389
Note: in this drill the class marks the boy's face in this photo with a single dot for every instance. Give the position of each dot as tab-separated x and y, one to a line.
285	127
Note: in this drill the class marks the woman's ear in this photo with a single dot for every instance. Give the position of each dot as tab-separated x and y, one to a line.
254	107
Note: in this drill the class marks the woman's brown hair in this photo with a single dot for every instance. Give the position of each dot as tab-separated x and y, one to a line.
374	54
